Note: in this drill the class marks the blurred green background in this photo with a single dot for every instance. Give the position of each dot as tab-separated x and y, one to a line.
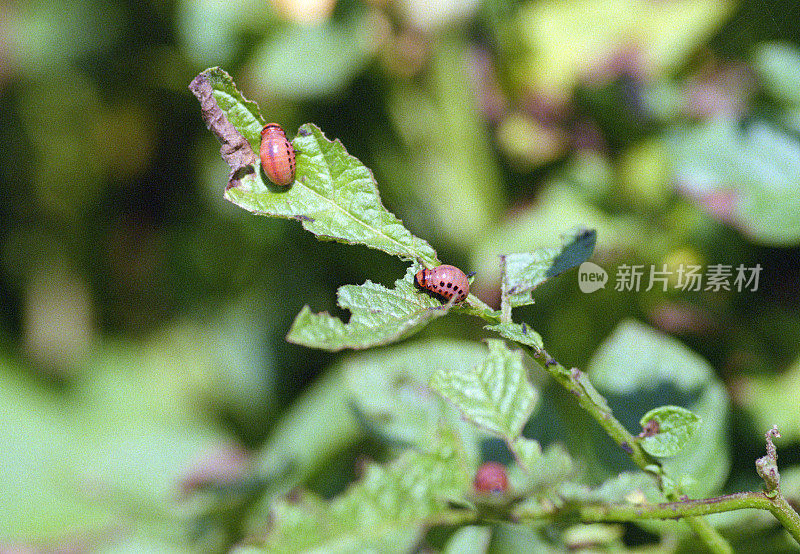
143	317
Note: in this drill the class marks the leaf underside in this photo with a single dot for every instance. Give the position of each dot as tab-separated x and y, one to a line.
524	271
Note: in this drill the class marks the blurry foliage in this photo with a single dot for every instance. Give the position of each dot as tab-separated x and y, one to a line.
143	317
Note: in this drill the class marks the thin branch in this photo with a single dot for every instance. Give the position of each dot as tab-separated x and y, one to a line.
788	517
589	399
505	305
666	510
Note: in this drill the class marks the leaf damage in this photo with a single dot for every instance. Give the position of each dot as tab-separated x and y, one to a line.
235	148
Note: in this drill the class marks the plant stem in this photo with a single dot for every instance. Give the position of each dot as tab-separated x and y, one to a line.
664	510
505	305
576	382
784	513
482	309
767	469
689	510
708	535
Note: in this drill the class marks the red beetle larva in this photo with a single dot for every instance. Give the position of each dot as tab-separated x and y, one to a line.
446	281
491	478
277	155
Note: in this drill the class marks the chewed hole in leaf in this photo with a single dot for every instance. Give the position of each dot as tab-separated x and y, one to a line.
379	316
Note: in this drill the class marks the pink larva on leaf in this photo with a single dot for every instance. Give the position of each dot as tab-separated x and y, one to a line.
277	155
445	281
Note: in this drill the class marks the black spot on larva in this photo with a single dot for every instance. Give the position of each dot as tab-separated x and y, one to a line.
441	284
449	285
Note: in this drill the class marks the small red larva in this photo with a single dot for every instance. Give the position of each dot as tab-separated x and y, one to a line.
446	281
277	155
491	477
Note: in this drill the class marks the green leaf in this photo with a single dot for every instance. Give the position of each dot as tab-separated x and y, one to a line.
745	175
242	113
525	271
628	486
380	316
636	357
517	539
386	511
673	427
549	469
495	394
526	451
601	536
388	390
126	426
470	539
335	197
534	228
521	334
634	487
778	65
